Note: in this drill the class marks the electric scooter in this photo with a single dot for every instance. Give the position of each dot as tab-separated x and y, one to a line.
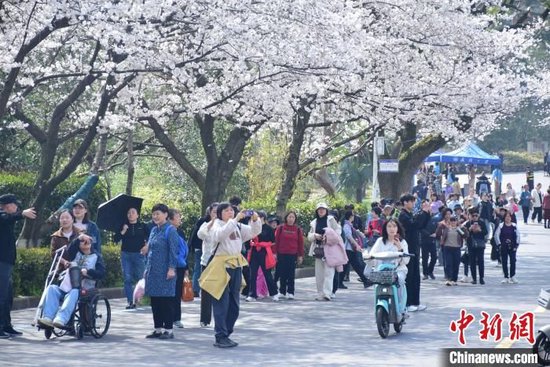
388	309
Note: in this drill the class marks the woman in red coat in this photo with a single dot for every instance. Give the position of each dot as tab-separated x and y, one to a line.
546	209
289	247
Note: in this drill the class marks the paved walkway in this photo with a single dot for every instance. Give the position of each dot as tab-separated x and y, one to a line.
304	332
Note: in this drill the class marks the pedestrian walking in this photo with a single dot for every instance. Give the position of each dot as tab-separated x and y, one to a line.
289	246
452	237
507	236
476	245
412	225
525	202
133	235
160	272
10	213
261	249
536	198
324	274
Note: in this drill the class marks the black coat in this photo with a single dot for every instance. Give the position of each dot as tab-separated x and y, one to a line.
7	236
412	226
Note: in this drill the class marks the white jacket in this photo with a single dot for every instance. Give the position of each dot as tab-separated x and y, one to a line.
381	246
231	235
537	202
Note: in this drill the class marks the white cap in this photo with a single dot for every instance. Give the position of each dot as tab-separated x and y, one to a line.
322	205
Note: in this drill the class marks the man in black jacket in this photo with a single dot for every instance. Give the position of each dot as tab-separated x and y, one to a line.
412	225
9	214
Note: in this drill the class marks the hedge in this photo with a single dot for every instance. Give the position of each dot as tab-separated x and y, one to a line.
32	265
518	161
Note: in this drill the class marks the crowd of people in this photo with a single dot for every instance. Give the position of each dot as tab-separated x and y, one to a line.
247	254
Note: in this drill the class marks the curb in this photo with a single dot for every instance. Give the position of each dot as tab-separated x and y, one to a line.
20	303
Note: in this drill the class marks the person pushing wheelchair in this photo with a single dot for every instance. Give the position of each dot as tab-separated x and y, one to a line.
91	268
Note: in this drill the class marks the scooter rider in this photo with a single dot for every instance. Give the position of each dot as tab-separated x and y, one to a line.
392	241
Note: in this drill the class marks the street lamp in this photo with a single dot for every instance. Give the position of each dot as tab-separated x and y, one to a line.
378	149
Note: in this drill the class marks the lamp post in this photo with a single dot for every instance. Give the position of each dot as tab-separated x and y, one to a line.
378	149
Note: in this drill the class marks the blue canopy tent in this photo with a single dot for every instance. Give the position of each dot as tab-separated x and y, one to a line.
468	154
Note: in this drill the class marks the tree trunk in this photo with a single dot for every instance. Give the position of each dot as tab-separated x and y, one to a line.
220	166
323	179
393	185
131	168
291	163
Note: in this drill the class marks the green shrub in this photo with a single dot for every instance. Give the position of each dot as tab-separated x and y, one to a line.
32	266
518	161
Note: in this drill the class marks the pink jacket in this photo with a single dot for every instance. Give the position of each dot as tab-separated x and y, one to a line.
335	250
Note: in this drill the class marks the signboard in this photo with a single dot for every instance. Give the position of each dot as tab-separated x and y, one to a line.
389	165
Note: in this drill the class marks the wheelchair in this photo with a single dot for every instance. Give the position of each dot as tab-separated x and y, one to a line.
92	314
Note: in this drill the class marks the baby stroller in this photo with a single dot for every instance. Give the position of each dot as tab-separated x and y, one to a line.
92	314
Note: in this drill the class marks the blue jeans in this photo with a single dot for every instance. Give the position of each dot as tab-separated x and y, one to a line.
51	310
133	266
197	270
226	309
6	294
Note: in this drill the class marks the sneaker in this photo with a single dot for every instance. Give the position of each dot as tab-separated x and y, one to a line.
58	323
412	308
166	335
481	281
328	298
513	280
474	281
155	334
421	307
342	286
505	281
454	283
46	321
289	296
10	330
432	277
196	294
178	324
4	335
131	306
333	295
449	283
424	277
225	342
250	299
204	324
275	298
464	279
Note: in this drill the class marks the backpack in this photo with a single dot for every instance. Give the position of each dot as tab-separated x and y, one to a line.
483	187
183	248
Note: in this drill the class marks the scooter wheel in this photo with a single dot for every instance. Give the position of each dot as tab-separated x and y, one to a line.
382	322
398	326
542	349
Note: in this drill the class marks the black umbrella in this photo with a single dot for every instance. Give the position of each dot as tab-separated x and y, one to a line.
112	214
